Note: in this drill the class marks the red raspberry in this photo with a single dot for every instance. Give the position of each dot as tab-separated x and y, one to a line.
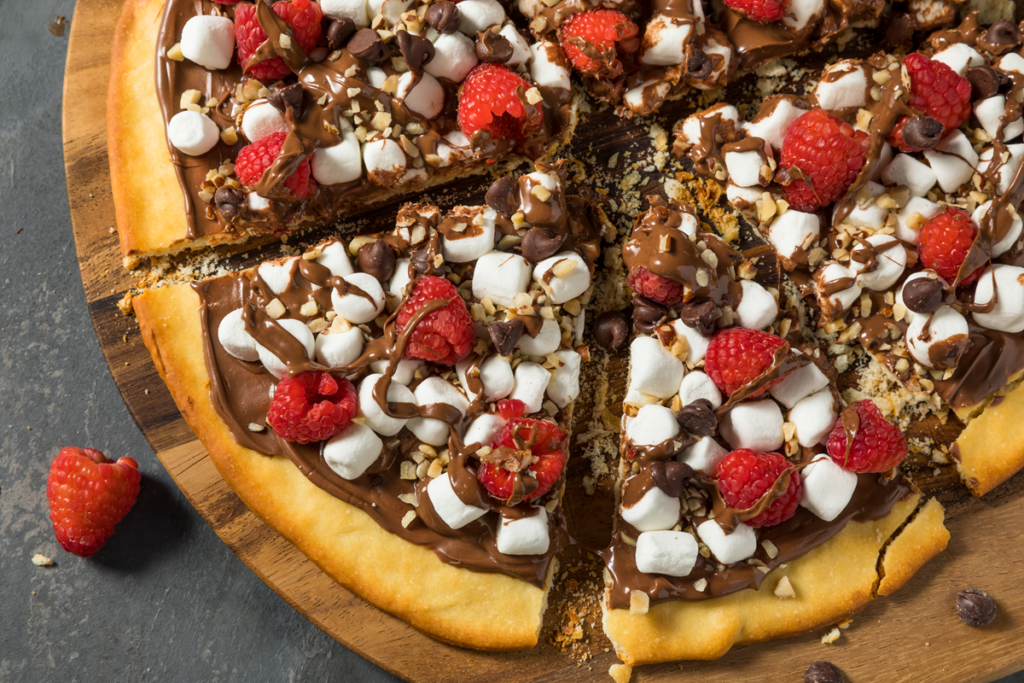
511	407
492	98
944	241
763	11
744	476
254	159
828	152
936	91
312	406
655	287
736	356
878	445
302	15
445	335
548	447
88	495
604	31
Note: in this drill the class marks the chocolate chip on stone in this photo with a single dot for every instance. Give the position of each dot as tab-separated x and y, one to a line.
984	80
899	31
493	48
505	334
922	132
611	329
444	17
367	45
700	316
671	476
923	295
698	66
647	314
288	98
229	202
377	259
823	672
540	243
338	33
417	50
1002	33
698	418
975	607
501	195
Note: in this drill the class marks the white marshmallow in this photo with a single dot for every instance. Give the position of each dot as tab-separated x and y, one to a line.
959	57
425	97
340	163
520	47
256	202
262	119
335	258
500	276
546	67
352	451
953	160
870	215
758	308
672	553
454	57
398	282
703	455
844	298
356	308
798	384
353	9
756	425
1012	235
236	341
803	12
579	325
696	342
278	276
909	315
890	261
654	511
814	418
274	365
448	506
435	390
337	349
525	535
652	425
472	243
531	383
570	285
915	205
565	380
208	41
721	54
943	325
376	76
1006	170
843	85
828	488
693	126
697	385
1011	62
391	10
454	146
1008	314
495	375
403	374
689	224
740	545
385	425
193	133
384	159
990	112
477	15
772	127
744	167
664	40
794	231
653	370
483	429
906	170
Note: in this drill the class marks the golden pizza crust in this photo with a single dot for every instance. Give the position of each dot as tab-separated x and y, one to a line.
991	447
485	611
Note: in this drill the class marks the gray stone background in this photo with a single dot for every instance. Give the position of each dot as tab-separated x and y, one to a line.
165	600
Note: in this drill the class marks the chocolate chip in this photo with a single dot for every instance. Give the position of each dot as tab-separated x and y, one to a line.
444	17
417	50
923	295
899	31
698	418
540	243
671	476
823	672
698	66
700	316
1002	33
611	329
922	132
984	80
502	195
229	202
367	45
420	261
288	98
647	314
975	607
505	334
493	48
339	32
378	259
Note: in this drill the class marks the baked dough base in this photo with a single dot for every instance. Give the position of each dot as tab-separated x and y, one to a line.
991	447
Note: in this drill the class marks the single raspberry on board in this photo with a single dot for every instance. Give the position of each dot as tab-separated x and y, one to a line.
763	11
538	444
302	15
823	155
945	240
936	91
736	356
445	335
600	33
492	98
254	159
878	445
312	406
745	475
654	286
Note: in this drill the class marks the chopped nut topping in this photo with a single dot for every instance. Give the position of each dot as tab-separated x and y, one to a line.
540	192
256	427
174	53
784	589
275	309
41	560
408	518
639	602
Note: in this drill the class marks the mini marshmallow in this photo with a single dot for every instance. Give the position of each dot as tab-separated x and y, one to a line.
350	452
793	232
959	57
953	160
396	286
945	326
799	384
391	10
356	308
579	325
448	506
262	119
703	455
720	53
335	258
740	545
744	167
256	202
546	66
524	535
565	380
376	76
208	41
844	85
236	341
689	225
672	553
909	315
453	146
1008	285
1006	170
385	425
696	342
340	163
435	390
870	215
520	47
772	126
906	170
278	276
664	40
914	213
800	13
814	418
697	385
353	9
656	510
568	285
500	276
337	349
1012	235
483	429
890	261
828	488
478	15
495	375
404	373
653	370
990	112
274	365
383	158
472	243
193	133
454	57
531	383
758	308
844	298
653	424
693	126
1011	62
425	96
756	425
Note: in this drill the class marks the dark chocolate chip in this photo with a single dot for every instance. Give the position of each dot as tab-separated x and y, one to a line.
984	82
339	32
444	17
367	45
502	195
377	259
923	295
417	50
288	98
229	202
1002	33
698	66
698	418
647	314
823	672
492	48
540	243
505	334
421	261
975	607
671	476
899	31
611	329
922	132
700	316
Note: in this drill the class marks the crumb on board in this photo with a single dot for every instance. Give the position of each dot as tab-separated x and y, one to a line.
620	673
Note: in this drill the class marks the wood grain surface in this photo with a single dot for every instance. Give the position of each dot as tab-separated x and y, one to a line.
913	635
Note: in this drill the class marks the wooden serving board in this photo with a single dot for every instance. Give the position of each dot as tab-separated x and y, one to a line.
911	636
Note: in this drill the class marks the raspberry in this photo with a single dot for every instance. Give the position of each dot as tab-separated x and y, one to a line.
88	495
744	476
763	11
878	445
655	287
302	15
936	91
944	241
828	152
539	439
445	335
736	356
604	31
492	98
253	160
312	406
511	407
